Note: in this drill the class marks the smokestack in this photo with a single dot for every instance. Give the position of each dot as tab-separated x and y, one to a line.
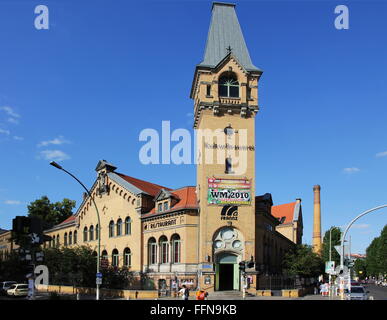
316	239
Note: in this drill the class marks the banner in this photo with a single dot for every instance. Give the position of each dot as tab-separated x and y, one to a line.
229	191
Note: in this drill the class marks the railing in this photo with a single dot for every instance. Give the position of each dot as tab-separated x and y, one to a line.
275	283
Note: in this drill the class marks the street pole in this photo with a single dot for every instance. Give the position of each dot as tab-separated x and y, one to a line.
54	164
345	233
330	259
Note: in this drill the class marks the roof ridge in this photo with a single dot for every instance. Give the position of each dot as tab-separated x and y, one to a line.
140	180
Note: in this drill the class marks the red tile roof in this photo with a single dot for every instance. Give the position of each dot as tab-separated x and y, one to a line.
148	187
187	200
284	210
69	219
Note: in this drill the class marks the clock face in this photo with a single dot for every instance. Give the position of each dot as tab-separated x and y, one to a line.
218	244
227	234
236	244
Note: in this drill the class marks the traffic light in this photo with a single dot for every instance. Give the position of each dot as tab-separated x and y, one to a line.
242	266
27	231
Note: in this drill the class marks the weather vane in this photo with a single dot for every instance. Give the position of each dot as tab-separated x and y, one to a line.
229	49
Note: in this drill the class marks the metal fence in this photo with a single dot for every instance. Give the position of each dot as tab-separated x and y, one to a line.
265	282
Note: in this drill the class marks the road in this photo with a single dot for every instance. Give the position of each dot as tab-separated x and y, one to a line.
378	293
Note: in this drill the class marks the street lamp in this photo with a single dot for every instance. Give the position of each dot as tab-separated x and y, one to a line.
345	233
56	165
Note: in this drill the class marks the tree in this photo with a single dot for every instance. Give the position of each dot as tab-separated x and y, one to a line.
360	268
51	213
376	261
303	262
71	266
335	234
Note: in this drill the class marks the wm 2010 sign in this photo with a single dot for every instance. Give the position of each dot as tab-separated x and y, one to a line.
229	191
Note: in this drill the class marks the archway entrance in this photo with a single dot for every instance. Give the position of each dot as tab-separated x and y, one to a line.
227	272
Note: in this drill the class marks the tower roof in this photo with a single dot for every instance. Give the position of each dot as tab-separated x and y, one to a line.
225	36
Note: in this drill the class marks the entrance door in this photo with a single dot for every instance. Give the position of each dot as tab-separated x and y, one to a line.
227	273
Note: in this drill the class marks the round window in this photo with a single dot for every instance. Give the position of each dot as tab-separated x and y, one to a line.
237	244
218	244
227	234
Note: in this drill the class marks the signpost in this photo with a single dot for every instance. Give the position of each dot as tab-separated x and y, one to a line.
330	267
98	278
229	191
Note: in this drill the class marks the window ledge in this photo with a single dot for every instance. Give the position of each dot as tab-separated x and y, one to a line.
235	98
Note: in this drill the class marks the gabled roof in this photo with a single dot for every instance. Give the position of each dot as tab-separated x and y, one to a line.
225	35
2	231
284	211
186	200
104	164
144	186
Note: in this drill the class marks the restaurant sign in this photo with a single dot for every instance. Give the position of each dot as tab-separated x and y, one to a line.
229	191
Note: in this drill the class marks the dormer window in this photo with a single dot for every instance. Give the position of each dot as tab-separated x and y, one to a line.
229	86
166	206
160	207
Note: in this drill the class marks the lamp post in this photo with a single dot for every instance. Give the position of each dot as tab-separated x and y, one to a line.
56	165
345	233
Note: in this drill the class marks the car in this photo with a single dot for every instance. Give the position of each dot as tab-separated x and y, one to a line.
18	290
357	293
5	285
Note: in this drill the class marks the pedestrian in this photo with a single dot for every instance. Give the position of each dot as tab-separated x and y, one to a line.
184	292
201	295
315	288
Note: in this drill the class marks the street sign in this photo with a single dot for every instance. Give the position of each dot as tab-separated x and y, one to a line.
99	275
346	250
98	281
330	267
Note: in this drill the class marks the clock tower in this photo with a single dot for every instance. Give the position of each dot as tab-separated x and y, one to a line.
225	94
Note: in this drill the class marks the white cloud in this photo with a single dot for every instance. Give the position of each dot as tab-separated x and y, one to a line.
351	170
54	155
13	120
381	154
9	111
18	138
57	141
2	131
360	226
12	115
12	202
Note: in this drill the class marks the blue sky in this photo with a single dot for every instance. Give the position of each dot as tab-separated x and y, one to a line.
85	88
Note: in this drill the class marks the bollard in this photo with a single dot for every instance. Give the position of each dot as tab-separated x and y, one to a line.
78	296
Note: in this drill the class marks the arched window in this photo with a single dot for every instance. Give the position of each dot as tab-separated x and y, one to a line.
65	239
115	258
164	249
176	248
229	86
119	227
57	240
127	257
70	238
84	234
128	225
96	232
104	255
152	251
111	229
91	233
75	236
